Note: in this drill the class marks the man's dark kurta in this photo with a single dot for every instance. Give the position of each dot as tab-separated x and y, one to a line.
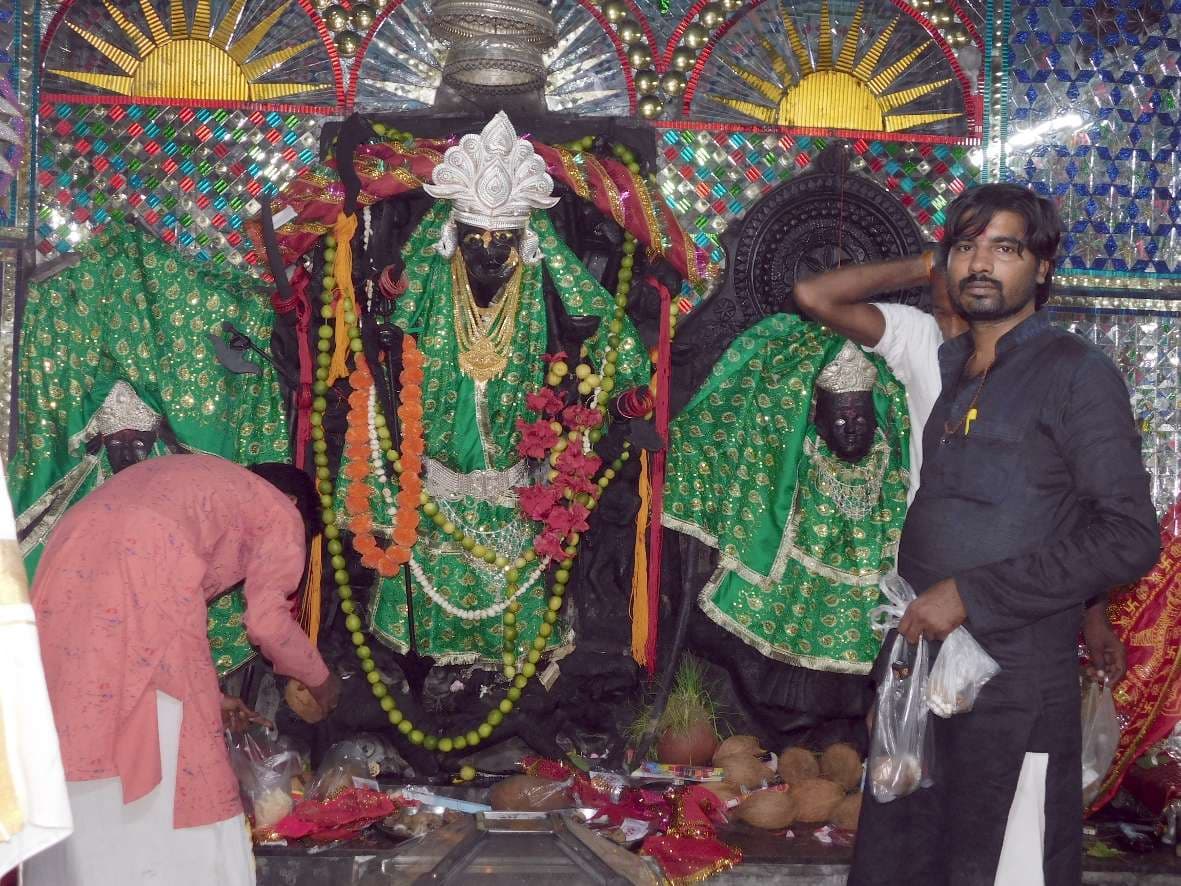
1043	505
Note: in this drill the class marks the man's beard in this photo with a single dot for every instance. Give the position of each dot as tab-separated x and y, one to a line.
998	309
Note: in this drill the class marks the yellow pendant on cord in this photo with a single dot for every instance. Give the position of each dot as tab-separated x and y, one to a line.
309	610
639	601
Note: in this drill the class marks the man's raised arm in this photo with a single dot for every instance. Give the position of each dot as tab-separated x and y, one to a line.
840	299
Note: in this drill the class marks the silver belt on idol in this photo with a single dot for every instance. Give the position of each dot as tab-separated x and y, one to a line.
492	486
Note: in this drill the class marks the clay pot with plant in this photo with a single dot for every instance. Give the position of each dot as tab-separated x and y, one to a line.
686	731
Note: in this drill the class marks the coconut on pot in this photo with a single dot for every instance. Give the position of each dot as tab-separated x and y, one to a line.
738	744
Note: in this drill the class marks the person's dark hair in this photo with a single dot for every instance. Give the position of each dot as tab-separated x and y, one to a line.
290	480
970	213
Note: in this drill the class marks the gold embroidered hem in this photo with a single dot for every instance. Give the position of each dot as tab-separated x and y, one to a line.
726	557
750	638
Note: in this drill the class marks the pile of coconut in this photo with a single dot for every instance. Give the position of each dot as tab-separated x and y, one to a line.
816	789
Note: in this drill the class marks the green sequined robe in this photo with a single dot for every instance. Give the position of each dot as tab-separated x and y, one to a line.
798	568
135	309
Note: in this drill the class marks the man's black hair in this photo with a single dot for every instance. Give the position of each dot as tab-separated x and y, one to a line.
290	480
971	212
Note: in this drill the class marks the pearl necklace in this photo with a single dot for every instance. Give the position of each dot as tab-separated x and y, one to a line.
367	216
474	614
377	457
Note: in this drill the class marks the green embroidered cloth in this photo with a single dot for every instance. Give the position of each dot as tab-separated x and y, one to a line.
802	536
470	427
134	309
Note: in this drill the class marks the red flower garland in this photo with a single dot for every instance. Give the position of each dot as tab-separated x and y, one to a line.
561	503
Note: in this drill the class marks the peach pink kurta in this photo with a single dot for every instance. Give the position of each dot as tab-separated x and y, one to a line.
120	597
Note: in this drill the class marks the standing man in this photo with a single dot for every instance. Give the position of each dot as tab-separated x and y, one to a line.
1033	501
908	339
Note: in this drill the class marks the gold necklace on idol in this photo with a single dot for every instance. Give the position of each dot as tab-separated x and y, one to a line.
484	335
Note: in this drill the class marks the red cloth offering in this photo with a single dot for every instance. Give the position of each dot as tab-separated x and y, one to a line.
689	851
1147	619
342	817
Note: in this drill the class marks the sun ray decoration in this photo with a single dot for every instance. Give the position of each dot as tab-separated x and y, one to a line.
851	91
197	60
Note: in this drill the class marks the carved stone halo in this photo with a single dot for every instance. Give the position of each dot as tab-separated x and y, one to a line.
819	220
814	223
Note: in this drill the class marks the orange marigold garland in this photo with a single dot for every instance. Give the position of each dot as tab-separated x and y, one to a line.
387	561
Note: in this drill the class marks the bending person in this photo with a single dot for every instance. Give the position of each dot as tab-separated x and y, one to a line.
120	599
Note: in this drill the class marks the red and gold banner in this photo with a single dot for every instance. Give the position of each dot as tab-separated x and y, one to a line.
391	168
1147	618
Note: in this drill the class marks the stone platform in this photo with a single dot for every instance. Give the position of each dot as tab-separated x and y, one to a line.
769	858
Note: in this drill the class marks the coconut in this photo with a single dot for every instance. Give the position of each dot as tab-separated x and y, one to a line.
816	798
897	776
723	792
771	810
797	764
744	771
528	793
847	813
738	744
300	700
841	763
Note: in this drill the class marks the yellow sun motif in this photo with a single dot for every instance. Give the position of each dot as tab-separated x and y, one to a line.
191	60
845	93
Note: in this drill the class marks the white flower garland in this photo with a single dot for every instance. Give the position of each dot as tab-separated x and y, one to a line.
367	216
474	614
376	458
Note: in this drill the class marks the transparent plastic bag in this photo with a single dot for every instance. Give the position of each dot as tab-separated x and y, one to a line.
1100	737
961	668
267	768
341	767
898	593
901	753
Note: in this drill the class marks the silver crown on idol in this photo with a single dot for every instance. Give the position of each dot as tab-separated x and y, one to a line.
123	410
494	180
850	371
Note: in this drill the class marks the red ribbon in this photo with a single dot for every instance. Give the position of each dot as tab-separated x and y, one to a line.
303	318
388	169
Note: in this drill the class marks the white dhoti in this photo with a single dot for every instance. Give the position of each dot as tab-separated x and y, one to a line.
135	844
1023	851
